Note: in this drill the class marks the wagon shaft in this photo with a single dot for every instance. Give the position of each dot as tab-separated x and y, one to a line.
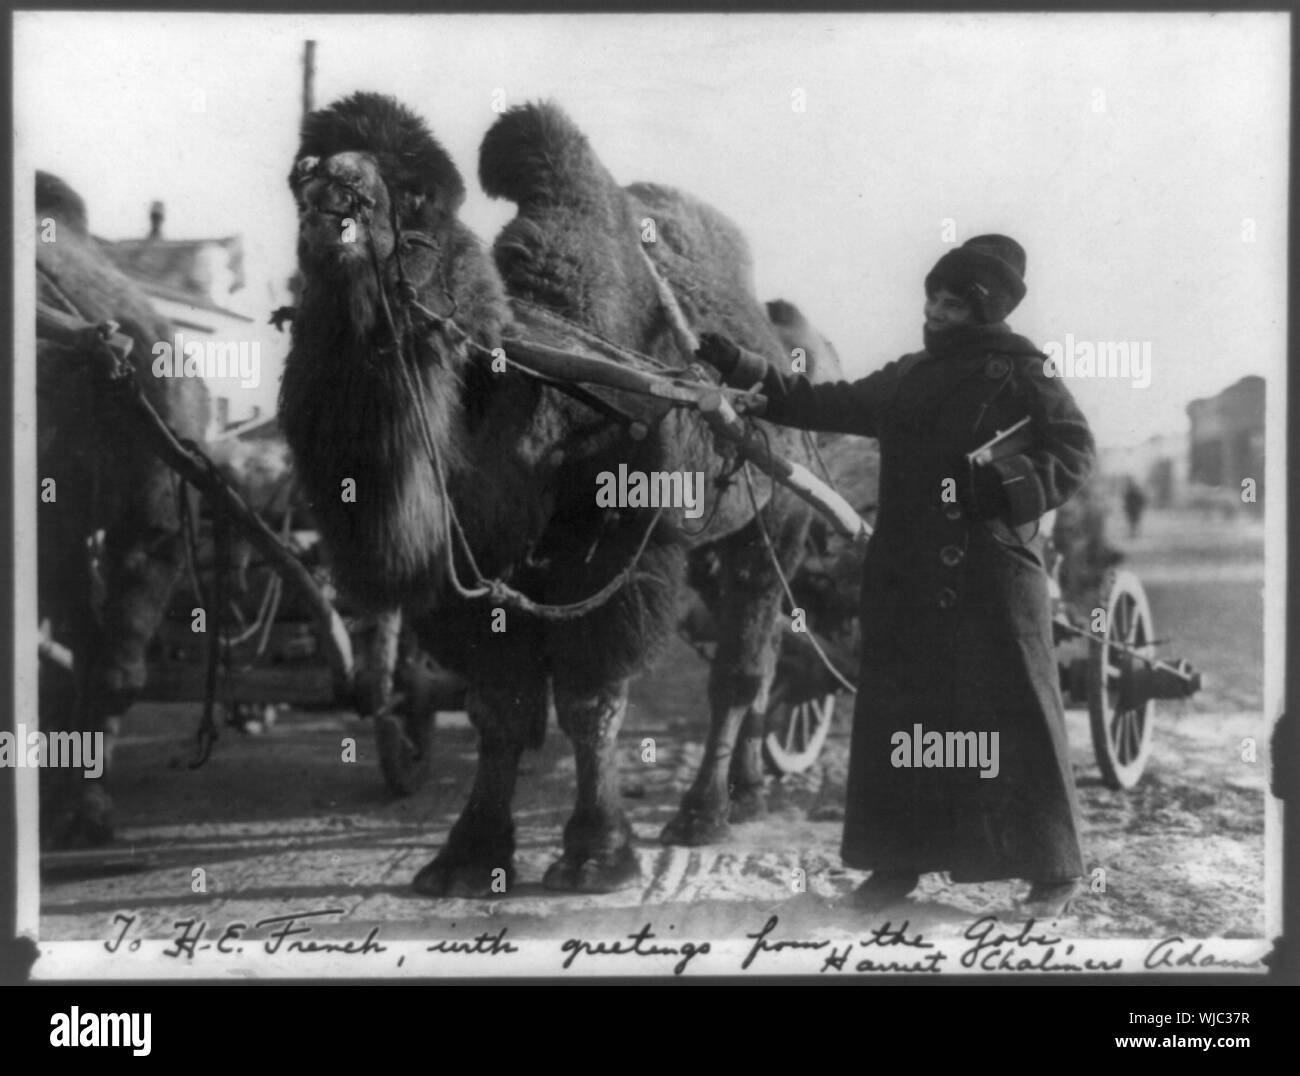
1143	677
106	351
1139	679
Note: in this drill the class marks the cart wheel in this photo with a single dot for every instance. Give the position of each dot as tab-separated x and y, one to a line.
1121	730
797	733
405	743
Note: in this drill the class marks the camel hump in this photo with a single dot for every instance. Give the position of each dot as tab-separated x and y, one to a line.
78	271
535	153
54	198
691	228
408	155
796	331
786	315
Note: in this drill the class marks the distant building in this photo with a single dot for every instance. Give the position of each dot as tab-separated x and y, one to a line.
1227	439
193	283
1204	467
1159	465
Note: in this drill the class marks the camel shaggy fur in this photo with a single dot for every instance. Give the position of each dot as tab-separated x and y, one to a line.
407	438
105	604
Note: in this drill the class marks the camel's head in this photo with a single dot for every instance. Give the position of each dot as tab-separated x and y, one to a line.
344	209
367	171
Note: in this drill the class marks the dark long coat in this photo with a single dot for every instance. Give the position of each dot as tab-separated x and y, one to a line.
956	625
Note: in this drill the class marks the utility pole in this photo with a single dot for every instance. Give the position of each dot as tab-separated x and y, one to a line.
308	107
308	77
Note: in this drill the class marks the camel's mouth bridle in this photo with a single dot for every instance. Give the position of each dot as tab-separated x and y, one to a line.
359	204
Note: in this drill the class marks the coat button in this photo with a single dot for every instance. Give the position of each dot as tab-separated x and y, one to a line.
951	555
997	368
953	511
947	598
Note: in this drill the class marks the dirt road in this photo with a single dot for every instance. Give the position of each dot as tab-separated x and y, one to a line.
279	822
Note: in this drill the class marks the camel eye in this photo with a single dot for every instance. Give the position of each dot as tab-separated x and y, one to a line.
410	203
305	167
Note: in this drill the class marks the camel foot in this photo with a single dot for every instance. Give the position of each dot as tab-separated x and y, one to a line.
691	827
747	804
88	825
443	878
605	873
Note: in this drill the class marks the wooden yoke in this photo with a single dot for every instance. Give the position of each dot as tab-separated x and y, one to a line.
714	405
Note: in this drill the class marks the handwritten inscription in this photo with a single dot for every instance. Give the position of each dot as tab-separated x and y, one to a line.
1174	953
986	945
762	945
484	945
640	946
287	934
1023	950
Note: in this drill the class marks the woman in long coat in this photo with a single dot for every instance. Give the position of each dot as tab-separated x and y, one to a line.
956	625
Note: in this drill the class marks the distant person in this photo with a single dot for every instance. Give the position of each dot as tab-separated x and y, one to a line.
956	626
1135	502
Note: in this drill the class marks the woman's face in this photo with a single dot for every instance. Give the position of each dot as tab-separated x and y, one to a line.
944	310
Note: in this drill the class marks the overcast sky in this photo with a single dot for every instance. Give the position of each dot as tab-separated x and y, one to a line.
1140	159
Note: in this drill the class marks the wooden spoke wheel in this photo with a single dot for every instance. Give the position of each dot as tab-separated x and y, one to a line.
797	732
1121	724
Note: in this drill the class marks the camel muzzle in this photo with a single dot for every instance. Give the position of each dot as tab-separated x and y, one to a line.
333	197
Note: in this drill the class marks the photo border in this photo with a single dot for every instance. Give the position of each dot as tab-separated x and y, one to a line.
19	875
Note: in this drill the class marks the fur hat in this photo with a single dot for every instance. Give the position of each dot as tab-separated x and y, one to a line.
409	156
987	271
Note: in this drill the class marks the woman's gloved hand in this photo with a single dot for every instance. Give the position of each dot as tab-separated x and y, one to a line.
982	495
719	352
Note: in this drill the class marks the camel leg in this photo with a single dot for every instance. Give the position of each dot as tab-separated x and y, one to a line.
746	774
142	565
745	778
76	811
729	785
478	858
598	855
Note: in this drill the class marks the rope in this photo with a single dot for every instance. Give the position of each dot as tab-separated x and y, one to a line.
495	589
810	441
268	621
686	338
498	589
207	730
219	645
191	540
619	350
785	585
52	281
268	608
722	484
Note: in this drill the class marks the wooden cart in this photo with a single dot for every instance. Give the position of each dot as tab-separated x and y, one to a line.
1119	677
272	654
